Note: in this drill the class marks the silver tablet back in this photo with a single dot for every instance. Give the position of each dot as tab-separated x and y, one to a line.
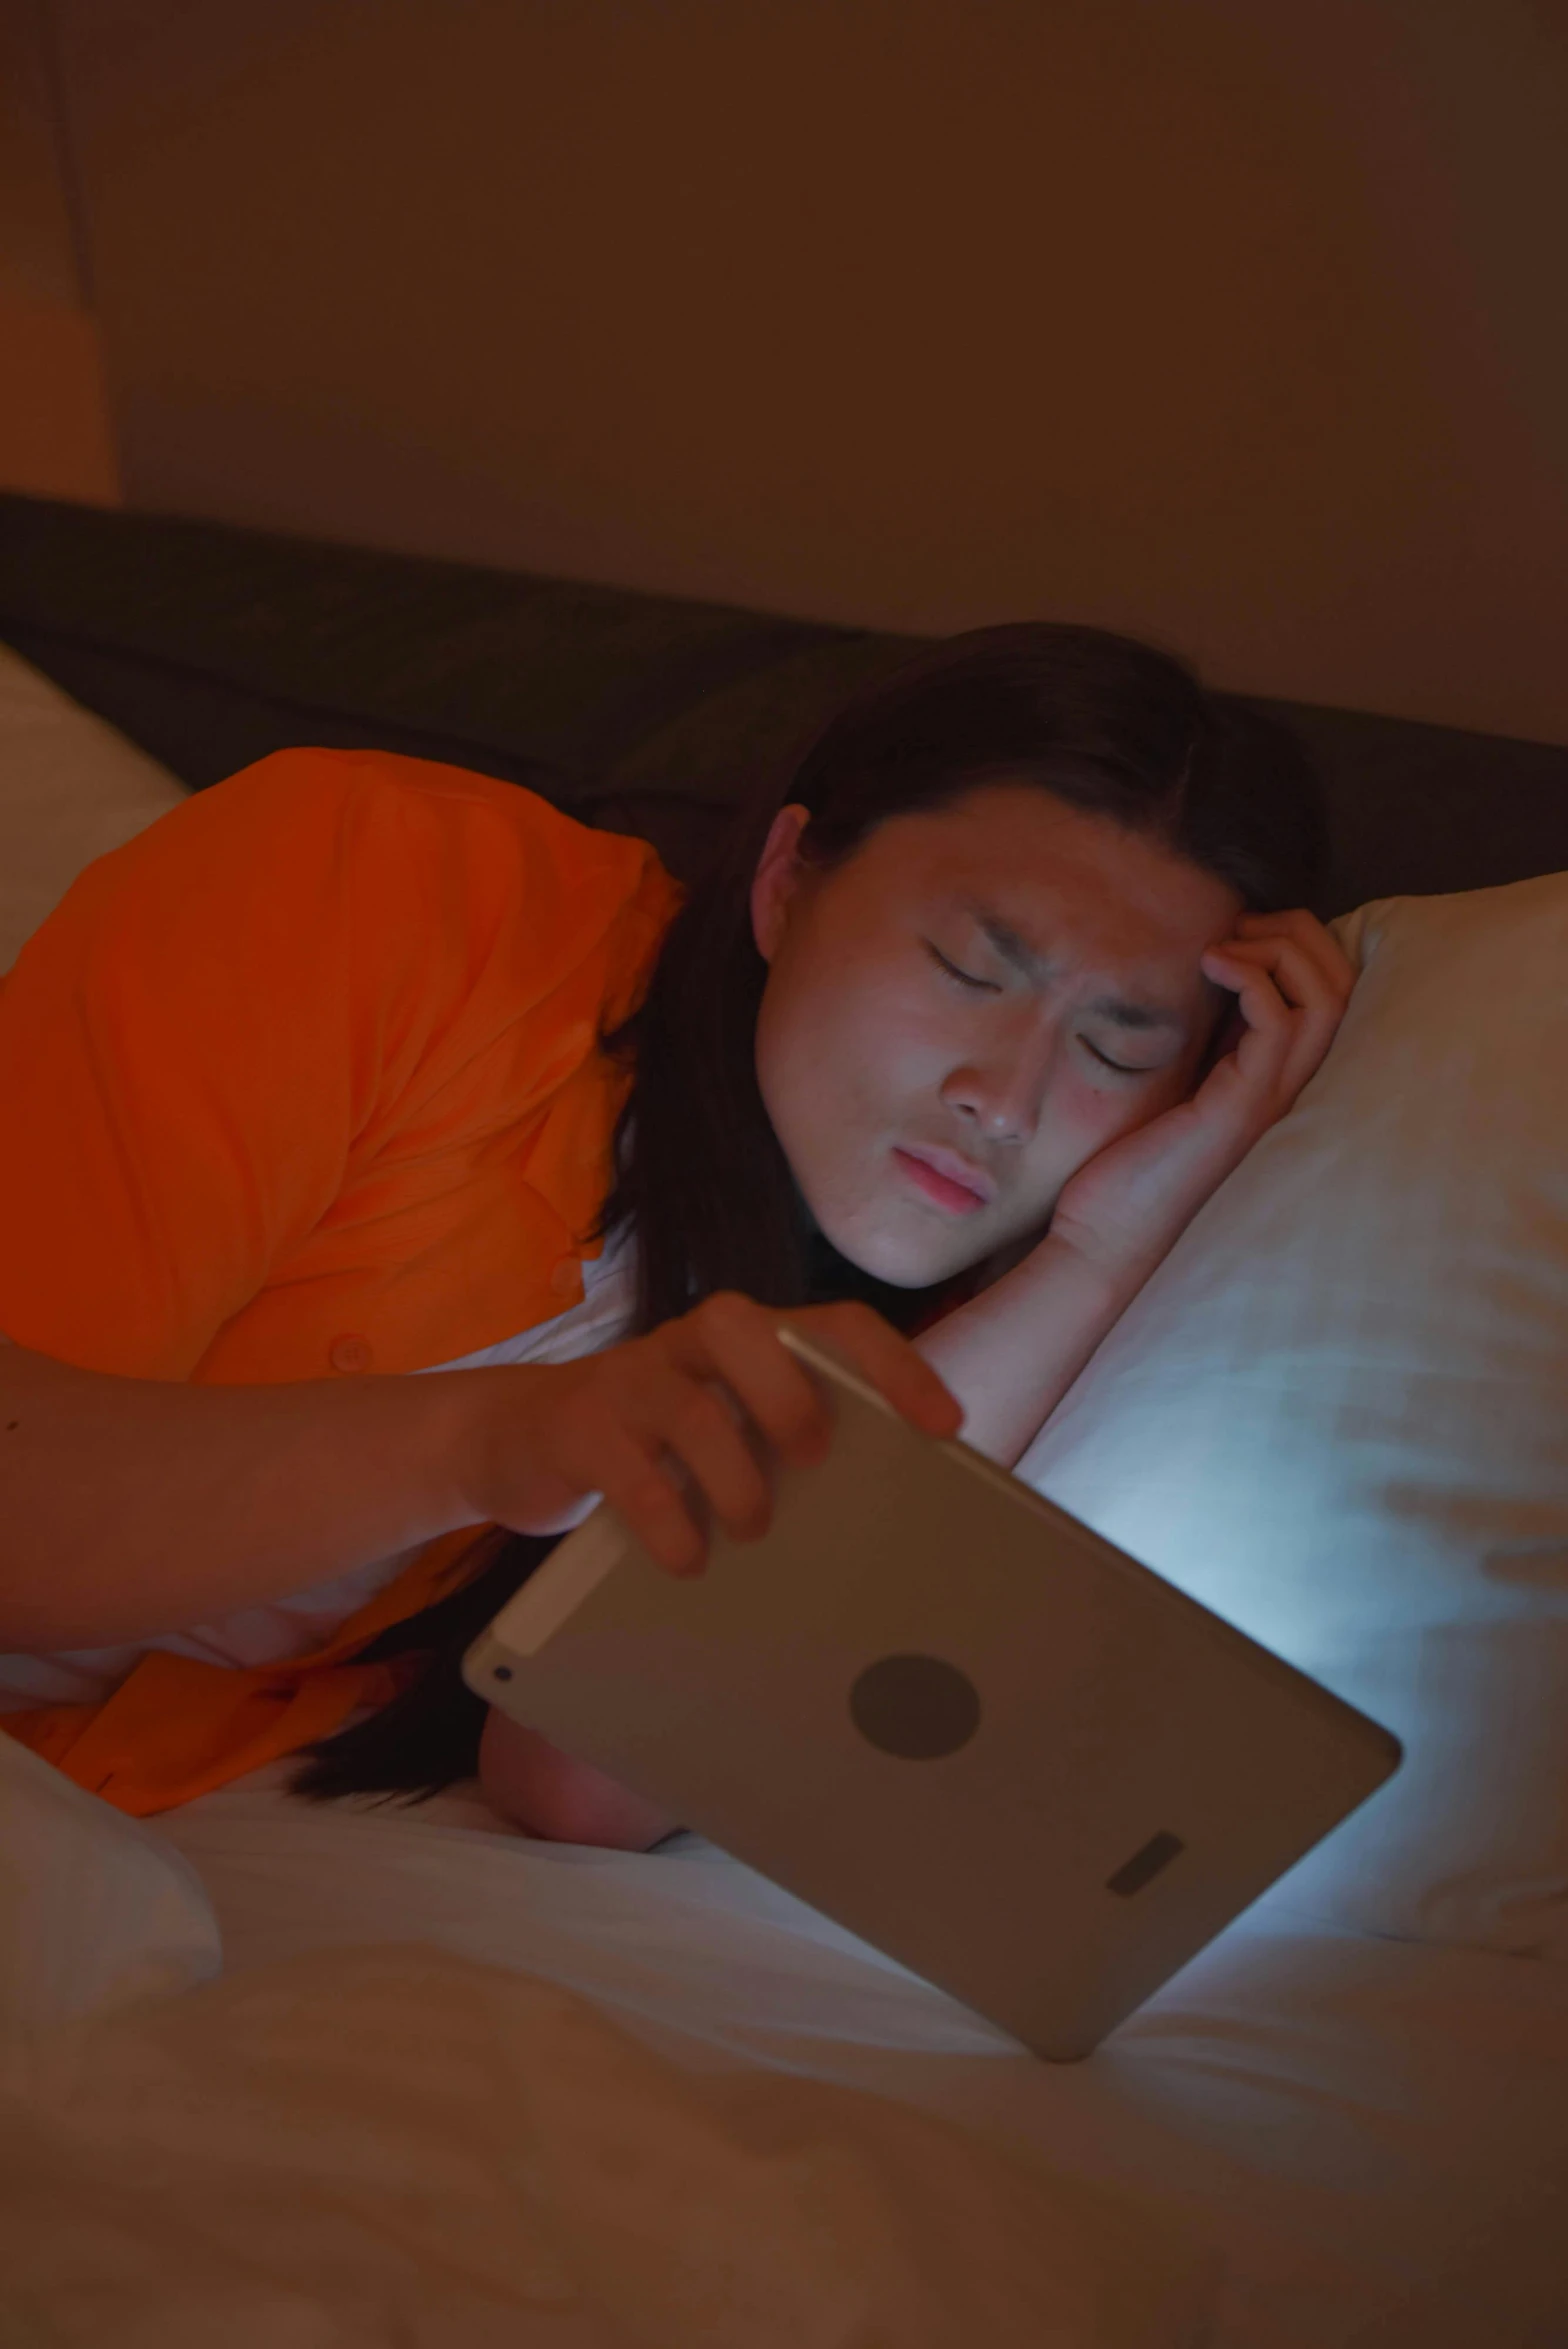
948	1715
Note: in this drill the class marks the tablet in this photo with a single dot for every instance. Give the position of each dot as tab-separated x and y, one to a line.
948	1715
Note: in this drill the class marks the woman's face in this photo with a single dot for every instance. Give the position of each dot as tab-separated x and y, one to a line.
968	1009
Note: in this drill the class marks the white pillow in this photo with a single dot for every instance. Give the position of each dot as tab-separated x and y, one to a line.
95	1911
1338	1415
71	789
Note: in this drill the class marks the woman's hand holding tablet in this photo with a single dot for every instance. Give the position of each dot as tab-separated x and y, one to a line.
681	1428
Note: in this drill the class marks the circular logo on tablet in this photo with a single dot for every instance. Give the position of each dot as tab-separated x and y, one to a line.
916	1707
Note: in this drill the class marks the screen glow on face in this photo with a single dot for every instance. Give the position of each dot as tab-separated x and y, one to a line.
968	1008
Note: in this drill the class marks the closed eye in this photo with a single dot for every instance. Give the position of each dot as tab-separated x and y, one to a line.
978	986
963	978
1123	1068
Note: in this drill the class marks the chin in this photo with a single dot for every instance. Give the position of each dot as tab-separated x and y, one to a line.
905	1260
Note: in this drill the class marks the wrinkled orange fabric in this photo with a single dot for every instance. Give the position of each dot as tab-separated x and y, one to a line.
177	1727
304	1081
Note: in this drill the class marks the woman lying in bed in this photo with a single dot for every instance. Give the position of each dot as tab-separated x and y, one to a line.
357	1066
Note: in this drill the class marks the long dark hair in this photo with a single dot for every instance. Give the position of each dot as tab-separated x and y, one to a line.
1110	726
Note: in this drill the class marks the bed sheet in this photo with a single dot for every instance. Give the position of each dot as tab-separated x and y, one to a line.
1372	2135
402	2147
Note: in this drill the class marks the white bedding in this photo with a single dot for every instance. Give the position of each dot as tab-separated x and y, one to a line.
382	2127
398	2147
71	788
1371	2135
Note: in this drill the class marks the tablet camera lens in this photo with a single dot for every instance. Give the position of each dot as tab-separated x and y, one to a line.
917	1707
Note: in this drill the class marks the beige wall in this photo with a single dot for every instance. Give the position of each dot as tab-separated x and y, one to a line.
54	426
1236	322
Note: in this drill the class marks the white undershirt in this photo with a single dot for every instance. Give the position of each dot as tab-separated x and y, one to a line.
293	1626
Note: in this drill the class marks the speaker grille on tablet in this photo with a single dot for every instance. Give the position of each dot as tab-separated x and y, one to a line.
1145	1864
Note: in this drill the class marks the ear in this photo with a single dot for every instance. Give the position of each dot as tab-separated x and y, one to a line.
777	877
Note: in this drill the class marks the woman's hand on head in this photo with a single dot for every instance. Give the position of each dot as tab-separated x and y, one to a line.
684	1427
1290	983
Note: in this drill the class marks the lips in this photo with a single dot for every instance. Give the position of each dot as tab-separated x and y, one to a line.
947	1179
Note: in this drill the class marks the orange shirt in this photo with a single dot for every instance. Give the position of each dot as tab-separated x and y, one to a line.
304	1080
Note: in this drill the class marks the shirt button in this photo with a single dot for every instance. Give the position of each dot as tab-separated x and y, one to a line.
349	1353
564	1280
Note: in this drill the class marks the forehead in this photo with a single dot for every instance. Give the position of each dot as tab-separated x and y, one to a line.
1041	867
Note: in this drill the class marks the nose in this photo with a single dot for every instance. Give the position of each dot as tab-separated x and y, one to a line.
1001	1098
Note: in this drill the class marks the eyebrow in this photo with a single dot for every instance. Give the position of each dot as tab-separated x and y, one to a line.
1035	967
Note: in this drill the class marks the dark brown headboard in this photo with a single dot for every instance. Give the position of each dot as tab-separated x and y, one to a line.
211	646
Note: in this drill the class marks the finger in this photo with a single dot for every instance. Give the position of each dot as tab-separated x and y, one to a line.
638	1484
1317	1004
1261	1049
890	1363
708	1441
1296	978
1322	947
1318	952
1294	970
1228	1029
733	1339
1298	1033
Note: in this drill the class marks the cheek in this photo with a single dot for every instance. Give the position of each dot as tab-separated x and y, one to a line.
1159	1094
1084	1119
854	1047
810	1076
